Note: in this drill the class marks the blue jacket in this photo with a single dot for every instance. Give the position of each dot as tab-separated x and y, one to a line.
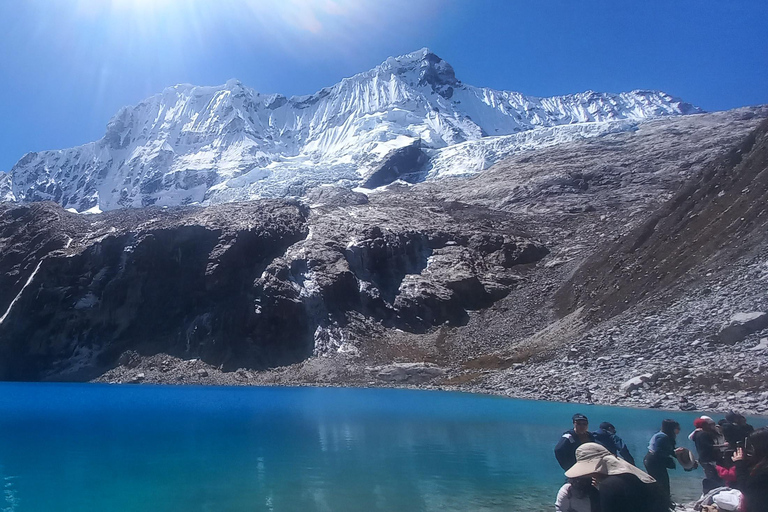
662	449
613	444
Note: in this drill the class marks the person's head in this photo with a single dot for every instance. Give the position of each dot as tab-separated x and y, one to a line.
705	423
580	423
732	417
593	460
741	419
757	445
608	427
670	427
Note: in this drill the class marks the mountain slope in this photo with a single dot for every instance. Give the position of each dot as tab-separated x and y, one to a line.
218	144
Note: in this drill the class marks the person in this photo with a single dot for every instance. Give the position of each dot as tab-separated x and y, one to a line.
606	436
565	450
621	486
736	429
705	439
752	471
577	495
661	457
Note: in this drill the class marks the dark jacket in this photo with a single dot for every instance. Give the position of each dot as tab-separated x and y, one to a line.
613	444
754	486
734	433
627	493
705	446
565	451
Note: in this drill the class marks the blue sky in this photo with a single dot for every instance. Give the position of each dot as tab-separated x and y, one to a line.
66	66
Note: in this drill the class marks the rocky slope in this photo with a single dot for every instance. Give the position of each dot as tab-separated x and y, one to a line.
602	269
230	143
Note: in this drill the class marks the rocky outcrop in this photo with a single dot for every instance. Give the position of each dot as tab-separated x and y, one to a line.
406	163
254	285
177	281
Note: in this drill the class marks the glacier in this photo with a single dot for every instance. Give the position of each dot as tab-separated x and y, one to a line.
408	118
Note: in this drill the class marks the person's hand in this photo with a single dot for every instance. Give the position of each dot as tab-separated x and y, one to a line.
678	450
738	455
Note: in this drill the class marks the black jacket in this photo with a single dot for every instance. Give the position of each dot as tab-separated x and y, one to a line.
565	451
734	433
627	493
754	486
705	446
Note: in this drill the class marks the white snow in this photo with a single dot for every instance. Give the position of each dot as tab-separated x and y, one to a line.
209	145
18	295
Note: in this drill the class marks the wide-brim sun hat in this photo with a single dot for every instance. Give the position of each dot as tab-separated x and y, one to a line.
593	458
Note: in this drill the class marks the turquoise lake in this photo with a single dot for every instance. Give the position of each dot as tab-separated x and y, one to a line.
82	447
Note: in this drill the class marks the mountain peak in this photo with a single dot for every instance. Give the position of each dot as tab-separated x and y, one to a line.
209	144
423	68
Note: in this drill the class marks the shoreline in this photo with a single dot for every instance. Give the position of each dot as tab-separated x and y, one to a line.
162	370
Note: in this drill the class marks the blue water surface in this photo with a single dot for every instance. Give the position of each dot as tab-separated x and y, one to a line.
87	447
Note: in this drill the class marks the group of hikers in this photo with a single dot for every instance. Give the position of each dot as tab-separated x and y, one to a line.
602	475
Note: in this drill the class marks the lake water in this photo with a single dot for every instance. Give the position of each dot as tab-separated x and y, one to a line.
81	447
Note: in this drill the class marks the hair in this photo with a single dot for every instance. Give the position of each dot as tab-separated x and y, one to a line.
580	486
759	442
669	426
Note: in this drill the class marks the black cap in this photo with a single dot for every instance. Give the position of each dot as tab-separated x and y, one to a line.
607	426
579	417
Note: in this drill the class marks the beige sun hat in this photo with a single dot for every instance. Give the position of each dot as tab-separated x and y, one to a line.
593	458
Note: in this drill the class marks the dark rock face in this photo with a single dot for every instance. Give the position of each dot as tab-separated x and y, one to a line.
177	281
253	285
438	74
402	163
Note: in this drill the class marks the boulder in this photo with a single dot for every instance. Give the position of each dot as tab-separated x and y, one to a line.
635	383
762	346
742	325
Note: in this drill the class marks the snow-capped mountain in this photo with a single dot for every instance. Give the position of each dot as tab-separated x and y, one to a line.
409	117
6	189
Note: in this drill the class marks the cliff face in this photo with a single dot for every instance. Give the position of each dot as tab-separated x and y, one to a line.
177	281
253	285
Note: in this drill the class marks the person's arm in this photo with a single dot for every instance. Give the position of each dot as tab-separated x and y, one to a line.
562	451
562	503
623	450
728	475
667	452
742	471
